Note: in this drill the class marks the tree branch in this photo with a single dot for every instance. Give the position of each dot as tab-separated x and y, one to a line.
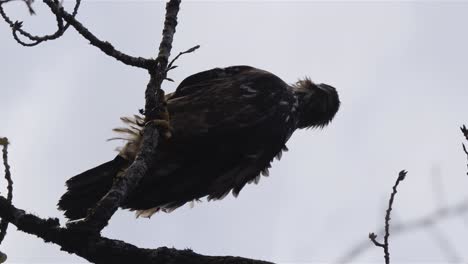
426	221
99	216
83	238
171	66
104	46
4	223
98	249
372	236
464	130
61	15
35	39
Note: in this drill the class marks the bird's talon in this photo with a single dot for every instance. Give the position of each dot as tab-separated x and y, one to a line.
163	126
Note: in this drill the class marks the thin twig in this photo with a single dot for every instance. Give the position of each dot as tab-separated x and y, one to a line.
36	39
373	236
27	2
4	142
61	14
153	93
104	46
426	221
98	249
464	130
170	66
4	222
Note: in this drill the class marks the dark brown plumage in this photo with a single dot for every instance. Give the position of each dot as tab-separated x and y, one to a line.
228	125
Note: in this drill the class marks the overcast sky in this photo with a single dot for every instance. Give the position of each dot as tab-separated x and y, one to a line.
401	72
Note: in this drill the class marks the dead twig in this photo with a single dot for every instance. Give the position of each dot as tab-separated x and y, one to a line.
63	16
98	249
104	46
4	223
373	236
464	130
27	2
17	29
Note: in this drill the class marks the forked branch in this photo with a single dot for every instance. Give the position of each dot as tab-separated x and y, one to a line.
99	216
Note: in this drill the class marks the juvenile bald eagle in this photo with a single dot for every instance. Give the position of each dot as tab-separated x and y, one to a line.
227	126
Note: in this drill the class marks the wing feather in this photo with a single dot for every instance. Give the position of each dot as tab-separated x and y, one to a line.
225	100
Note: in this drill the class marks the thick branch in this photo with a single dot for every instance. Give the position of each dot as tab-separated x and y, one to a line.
106	207
98	249
153	93
464	130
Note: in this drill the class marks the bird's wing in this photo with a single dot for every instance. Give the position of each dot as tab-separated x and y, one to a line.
221	101
198	80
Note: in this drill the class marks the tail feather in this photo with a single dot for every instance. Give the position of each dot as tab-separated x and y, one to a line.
87	188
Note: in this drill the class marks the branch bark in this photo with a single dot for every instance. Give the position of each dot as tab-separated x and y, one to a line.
4	223
104	46
108	205
98	249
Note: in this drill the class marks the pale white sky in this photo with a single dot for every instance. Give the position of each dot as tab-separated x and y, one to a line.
400	69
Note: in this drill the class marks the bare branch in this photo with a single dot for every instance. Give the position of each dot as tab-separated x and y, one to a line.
104	46
61	14
92	246
423	222
35	39
83	238
153	92
99	216
4	223
27	2
372	236
170	66
464	130
98	249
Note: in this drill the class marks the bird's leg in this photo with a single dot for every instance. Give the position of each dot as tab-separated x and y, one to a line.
163	124
161	118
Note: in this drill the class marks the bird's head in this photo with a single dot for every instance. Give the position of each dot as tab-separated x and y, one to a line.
318	103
